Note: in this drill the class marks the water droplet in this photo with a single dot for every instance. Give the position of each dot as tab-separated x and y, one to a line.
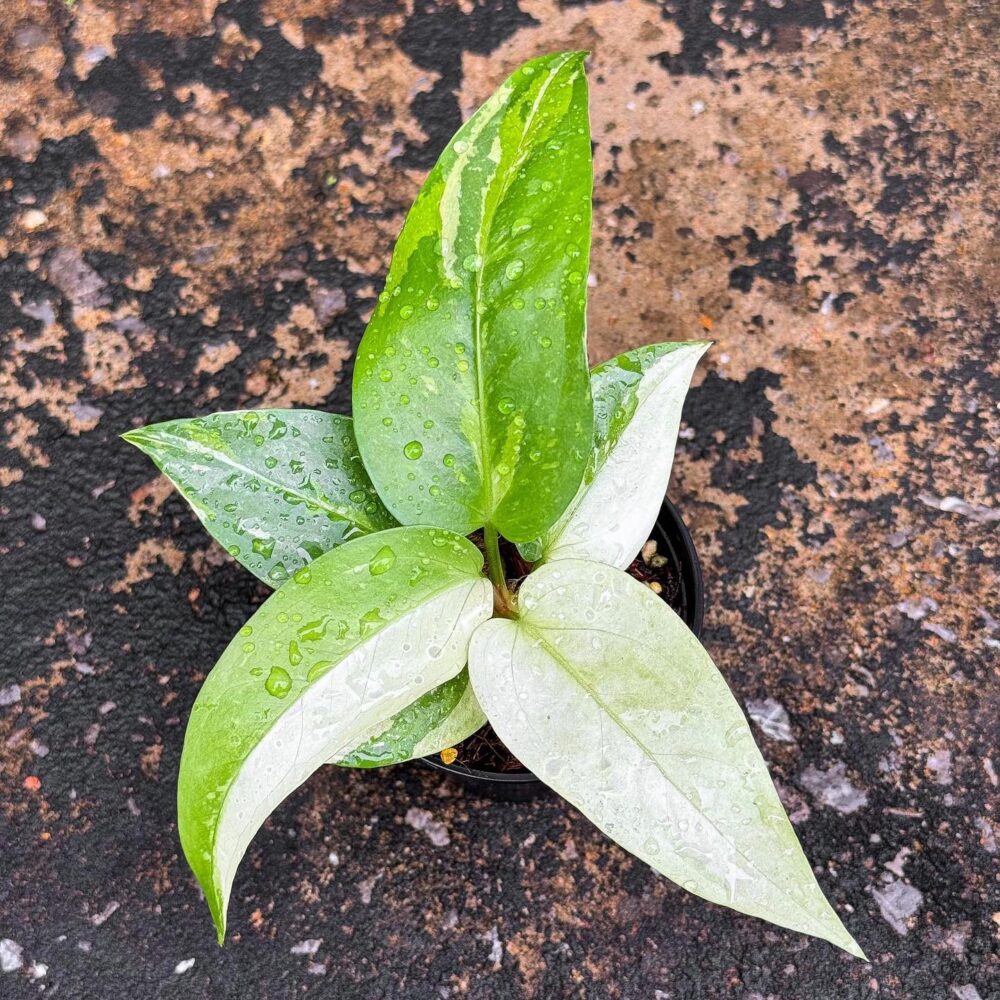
574	277
434	491
263	546
404	400
413	450
432	305
514	269
382	561
387	421
461	146
518	303
270	462
294	653
432	362
303	575
318	668
472	263
385	375
545	341
278	572
405	312
246	630
278	683
520	226
370	621
506	405
357	496
448	460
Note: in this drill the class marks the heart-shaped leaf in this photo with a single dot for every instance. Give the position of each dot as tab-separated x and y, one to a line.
441	718
276	488
471	394
327	660
638	398
601	690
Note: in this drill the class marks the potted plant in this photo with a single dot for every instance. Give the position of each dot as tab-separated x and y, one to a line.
391	635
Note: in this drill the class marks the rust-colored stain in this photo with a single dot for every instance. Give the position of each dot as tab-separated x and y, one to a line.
197	204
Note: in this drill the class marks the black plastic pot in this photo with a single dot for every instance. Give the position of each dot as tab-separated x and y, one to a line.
673	540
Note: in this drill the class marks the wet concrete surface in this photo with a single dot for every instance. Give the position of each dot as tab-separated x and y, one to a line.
197	202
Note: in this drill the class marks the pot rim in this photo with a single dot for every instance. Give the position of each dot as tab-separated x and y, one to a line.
676	534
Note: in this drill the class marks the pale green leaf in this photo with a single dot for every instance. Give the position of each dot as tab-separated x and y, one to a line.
441	718
601	690
357	636
276	488
638	398
471	394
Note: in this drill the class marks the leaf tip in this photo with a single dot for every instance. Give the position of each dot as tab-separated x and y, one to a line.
853	948
141	438
839	936
217	907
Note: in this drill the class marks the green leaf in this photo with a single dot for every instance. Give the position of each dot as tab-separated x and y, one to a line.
638	398
276	488
601	690
471	395
346	645
441	718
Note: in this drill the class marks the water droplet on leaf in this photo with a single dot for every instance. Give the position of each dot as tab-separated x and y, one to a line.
278	683
382	561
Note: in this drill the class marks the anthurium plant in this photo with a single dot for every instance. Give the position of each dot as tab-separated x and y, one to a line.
390	634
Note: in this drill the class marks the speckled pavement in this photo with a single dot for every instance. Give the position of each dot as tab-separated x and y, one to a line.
197	201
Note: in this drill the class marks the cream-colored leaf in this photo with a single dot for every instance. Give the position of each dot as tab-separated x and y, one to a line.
601	690
638	398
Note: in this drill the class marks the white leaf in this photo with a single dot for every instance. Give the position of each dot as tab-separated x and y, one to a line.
638	398
601	690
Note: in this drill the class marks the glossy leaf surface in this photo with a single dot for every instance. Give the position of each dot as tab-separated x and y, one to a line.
276	488
471	393
602	691
638	398
441	718
356	637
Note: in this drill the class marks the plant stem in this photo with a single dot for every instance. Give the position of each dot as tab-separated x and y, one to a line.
498	577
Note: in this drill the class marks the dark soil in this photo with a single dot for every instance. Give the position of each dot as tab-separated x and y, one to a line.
484	750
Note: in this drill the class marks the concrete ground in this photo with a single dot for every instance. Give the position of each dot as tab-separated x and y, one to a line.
197	202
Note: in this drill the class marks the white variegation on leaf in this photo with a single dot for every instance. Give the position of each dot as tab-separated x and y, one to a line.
638	398
275	488
603	692
324	665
